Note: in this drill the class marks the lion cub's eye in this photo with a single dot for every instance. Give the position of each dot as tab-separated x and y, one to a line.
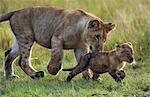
97	37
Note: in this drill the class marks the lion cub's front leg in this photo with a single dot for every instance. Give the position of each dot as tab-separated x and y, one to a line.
117	75
57	56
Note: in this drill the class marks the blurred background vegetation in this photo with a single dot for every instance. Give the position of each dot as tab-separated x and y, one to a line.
132	18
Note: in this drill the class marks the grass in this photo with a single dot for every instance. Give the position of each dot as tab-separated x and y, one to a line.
132	19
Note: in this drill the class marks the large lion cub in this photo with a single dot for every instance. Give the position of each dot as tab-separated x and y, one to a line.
53	28
102	62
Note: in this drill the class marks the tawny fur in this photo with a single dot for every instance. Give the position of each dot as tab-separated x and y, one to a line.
102	62
56	29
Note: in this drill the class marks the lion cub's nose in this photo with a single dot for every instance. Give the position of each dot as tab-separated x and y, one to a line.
131	59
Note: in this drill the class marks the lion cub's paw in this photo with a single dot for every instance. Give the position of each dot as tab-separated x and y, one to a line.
120	75
12	77
53	69
38	74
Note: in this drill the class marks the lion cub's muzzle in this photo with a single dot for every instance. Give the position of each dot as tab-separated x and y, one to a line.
96	48
130	59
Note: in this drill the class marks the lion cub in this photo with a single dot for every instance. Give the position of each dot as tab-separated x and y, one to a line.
102	62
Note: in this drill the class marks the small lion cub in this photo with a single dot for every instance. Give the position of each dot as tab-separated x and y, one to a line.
107	61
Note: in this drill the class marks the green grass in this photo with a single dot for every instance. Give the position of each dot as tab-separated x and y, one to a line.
133	24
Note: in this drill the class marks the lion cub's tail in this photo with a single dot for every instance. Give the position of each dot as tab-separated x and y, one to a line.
5	17
69	69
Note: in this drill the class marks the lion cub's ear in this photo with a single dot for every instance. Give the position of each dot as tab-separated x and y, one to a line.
110	26
94	24
118	46
129	43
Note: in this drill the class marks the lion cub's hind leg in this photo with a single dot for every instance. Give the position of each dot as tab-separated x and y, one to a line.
95	76
81	67
87	74
10	56
25	39
21	25
25	48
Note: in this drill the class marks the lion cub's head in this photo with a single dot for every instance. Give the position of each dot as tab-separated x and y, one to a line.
125	52
96	33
